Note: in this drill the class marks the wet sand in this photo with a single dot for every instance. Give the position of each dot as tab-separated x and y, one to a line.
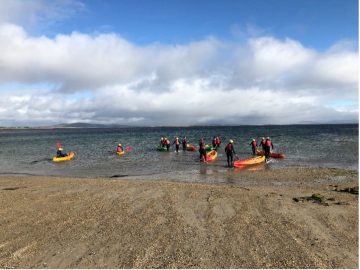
261	220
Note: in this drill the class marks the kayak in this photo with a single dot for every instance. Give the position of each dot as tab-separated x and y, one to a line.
70	156
190	147
249	161
161	149
210	156
208	148
272	154
120	153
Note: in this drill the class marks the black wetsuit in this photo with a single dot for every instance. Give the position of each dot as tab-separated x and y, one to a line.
184	144
230	151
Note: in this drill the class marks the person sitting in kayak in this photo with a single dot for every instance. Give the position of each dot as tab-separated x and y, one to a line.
184	143
60	153
262	143
202	149
119	148
177	144
167	144
253	146
268	145
230	151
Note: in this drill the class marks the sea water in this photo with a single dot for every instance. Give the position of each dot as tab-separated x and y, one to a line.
30	151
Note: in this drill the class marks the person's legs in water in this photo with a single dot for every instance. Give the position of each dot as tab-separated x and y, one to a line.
177	148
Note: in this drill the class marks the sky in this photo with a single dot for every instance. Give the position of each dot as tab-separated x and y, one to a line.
157	62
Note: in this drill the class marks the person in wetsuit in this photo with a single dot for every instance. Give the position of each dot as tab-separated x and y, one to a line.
177	144
253	146
184	143
60	153
268	146
167	143
119	148
262	143
202	149
230	151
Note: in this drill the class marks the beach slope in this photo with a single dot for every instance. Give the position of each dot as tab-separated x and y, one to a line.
268	221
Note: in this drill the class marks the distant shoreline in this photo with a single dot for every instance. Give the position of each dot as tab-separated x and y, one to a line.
92	126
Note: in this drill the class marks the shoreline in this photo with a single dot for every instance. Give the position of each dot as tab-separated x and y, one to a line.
252	221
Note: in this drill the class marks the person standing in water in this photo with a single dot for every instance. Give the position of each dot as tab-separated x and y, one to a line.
262	144
202	149
230	152
167	143
177	144
268	146
253	146
184	143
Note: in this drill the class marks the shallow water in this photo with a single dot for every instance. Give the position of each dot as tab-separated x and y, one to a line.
30	151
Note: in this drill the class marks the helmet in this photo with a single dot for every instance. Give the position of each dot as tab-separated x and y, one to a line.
263	138
61	149
268	138
253	140
177	138
231	141
162	138
119	144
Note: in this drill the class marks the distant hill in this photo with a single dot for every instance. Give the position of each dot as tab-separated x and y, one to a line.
84	125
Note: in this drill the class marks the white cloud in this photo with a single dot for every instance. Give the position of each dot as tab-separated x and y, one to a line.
32	13
263	81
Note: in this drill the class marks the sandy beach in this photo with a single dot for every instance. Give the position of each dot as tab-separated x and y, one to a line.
263	219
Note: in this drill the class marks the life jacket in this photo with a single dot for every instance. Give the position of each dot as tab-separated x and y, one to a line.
268	143
253	144
119	149
167	142
201	142
229	148
263	142
177	141
184	141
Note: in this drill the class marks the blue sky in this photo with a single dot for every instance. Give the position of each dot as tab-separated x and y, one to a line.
69	60
316	23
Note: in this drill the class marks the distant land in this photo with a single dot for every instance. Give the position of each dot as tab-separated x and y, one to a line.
72	125
90	125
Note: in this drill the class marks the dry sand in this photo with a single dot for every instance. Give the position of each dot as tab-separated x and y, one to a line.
52	222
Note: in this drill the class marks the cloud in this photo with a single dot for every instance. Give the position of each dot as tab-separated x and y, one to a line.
262	81
32	13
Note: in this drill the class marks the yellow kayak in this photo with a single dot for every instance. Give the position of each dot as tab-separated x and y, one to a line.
120	153
70	156
249	161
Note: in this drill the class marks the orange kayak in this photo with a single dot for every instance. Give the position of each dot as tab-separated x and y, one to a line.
249	161
272	154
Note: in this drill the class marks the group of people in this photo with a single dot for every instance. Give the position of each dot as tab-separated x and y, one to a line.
265	144
165	142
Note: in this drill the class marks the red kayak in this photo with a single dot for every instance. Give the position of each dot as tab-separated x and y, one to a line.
272	154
